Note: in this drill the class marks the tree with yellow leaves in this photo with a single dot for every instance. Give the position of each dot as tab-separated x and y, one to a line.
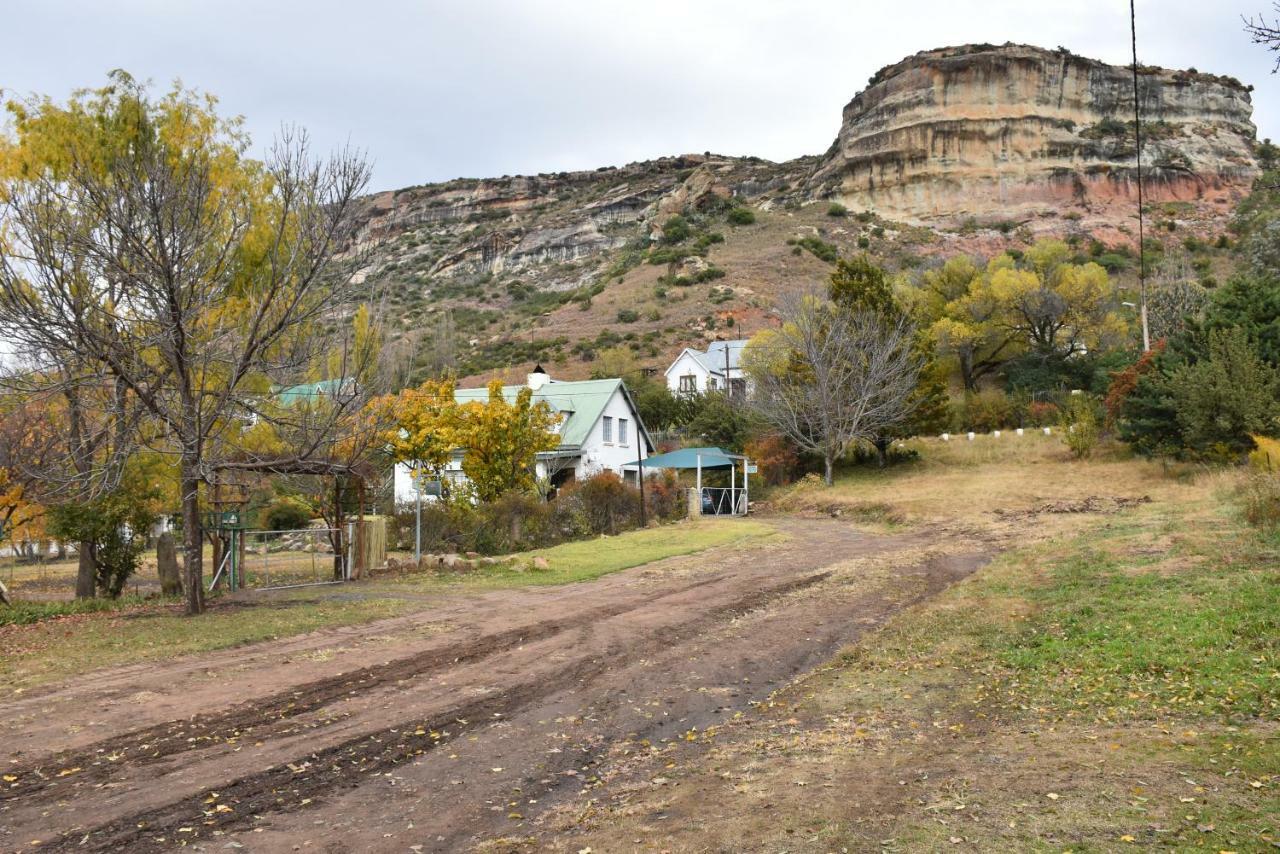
502	439
422	428
139	238
1043	304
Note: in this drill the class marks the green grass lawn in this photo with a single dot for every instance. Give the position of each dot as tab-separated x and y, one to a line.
44	642
588	559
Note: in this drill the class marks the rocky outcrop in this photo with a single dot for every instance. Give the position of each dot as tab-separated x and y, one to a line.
984	130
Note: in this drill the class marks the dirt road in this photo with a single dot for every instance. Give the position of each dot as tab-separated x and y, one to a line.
449	726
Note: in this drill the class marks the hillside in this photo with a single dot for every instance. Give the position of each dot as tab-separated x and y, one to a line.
970	149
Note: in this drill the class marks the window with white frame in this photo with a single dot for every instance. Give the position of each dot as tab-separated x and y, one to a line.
688	383
608	428
622	431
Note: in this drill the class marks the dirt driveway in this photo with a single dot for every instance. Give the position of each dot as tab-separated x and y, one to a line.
455	725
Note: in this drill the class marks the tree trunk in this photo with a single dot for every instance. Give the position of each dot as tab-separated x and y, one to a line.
338	550
192	536
167	565
828	474
86	572
882	451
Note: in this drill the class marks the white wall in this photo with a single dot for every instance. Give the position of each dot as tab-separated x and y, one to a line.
597	456
683	365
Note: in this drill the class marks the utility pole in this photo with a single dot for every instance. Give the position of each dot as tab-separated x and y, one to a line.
1137	135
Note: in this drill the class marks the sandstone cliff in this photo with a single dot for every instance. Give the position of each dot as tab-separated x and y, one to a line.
973	149
1003	131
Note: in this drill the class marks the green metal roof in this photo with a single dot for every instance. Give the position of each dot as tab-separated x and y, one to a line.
299	393
687	458
583	401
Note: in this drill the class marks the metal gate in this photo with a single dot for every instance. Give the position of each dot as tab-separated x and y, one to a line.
292	558
297	558
723	501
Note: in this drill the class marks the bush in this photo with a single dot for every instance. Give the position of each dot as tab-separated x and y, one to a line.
864	242
820	248
675	230
628	315
1080	426
837	209
607	504
1261	495
1042	413
776	457
287	514
985	411
741	216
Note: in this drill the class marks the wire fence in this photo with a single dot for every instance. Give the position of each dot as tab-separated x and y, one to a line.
291	558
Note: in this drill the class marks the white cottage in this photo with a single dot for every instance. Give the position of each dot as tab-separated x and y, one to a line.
714	369
599	429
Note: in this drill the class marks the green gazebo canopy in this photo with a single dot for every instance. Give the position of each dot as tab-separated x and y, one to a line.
687	458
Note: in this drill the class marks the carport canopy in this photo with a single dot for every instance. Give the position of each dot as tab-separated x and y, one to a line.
688	458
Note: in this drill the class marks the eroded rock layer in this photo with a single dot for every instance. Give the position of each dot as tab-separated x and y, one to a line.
990	131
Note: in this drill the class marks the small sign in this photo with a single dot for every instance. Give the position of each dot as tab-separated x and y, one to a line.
752	468
231	519
431	488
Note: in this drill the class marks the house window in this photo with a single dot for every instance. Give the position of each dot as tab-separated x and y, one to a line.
688	383
622	431
608	429
737	388
711	383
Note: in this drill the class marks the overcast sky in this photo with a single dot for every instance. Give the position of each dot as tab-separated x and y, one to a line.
436	90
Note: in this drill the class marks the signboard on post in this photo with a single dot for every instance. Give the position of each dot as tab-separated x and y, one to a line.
752	468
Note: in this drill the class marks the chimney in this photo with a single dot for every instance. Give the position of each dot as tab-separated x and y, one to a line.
538	378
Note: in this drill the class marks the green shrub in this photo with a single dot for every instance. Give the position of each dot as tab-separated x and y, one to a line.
837	209
820	248
627	315
287	514
1080	426
741	216
864	242
675	230
985	411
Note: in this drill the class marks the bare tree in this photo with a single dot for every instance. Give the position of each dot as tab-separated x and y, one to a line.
827	377
195	290
1265	33
1175	296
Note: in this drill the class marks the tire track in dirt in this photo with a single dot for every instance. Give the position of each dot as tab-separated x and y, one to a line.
261	717
308	779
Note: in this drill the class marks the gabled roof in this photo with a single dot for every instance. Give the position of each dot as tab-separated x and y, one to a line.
582	402
712	359
309	391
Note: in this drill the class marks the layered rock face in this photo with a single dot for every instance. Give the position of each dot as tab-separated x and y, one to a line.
991	131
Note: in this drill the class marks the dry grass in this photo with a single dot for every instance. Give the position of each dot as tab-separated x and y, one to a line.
1112	681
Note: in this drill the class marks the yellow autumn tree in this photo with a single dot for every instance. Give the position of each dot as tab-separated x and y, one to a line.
1043	303
501	440
421	427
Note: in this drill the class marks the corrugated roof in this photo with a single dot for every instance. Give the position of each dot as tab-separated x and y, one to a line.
584	401
712	359
298	393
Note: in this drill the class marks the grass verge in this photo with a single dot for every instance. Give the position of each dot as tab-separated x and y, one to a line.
587	559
